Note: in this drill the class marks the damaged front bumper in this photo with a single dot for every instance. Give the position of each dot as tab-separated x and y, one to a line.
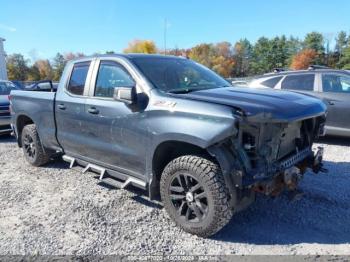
268	158
290	171
309	159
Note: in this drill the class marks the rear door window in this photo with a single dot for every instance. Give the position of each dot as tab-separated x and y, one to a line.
78	78
332	83
272	82
304	82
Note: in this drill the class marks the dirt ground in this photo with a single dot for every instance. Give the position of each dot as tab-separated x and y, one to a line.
55	210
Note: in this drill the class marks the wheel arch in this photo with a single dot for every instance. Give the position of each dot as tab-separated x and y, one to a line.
218	152
21	121
164	153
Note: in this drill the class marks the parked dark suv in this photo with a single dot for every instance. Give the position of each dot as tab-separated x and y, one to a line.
332	86
5	117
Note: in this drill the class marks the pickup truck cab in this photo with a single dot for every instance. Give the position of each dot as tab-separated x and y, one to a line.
174	128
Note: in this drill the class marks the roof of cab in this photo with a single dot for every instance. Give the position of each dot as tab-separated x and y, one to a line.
128	56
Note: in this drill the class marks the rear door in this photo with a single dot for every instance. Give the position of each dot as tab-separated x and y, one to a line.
70	110
336	94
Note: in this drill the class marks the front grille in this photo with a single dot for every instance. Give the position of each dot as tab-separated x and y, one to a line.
285	143
288	138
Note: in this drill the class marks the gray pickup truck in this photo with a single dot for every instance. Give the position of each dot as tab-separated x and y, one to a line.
174	128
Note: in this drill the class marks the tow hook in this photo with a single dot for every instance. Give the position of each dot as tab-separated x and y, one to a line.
291	178
317	163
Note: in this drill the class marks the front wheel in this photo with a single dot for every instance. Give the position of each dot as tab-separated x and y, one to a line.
193	192
32	148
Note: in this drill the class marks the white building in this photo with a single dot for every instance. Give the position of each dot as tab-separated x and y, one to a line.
3	70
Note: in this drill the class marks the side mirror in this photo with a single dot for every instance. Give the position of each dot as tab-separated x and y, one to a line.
125	94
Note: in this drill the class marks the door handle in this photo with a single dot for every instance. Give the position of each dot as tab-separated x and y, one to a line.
61	106
93	110
331	103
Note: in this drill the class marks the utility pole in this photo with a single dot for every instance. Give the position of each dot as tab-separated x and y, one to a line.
165	31
3	69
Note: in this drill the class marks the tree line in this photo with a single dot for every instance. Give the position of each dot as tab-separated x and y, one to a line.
18	67
240	59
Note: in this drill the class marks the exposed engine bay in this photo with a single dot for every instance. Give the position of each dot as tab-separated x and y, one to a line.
281	151
272	157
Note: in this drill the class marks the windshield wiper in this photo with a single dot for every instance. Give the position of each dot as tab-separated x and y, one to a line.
189	90
181	91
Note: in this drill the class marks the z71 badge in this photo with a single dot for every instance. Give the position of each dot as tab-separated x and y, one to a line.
167	104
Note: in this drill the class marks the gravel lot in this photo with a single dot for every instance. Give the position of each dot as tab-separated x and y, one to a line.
55	210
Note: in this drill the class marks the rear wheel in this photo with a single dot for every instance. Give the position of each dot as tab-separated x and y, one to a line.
194	195
32	148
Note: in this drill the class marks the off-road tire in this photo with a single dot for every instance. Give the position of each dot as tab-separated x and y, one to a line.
39	157
209	176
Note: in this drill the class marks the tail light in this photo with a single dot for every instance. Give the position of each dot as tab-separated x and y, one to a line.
10	97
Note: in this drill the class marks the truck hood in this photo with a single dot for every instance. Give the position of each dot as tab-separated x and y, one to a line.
263	104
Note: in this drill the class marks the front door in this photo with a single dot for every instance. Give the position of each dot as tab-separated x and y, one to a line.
115	138
336	94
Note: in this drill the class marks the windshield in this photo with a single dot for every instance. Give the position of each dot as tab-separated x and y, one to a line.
177	75
6	87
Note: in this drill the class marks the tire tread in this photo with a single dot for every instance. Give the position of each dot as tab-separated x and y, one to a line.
211	175
41	158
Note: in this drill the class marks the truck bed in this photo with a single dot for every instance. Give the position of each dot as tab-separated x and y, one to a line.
39	106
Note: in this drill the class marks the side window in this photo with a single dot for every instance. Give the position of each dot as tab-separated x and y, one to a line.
111	75
272	82
77	80
304	82
332	83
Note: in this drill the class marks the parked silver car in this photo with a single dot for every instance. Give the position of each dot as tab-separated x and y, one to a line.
332	86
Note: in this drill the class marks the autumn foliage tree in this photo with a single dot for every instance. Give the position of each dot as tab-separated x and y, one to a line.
33	73
45	69
17	67
239	59
218	57
303	59
223	61
141	46
223	66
